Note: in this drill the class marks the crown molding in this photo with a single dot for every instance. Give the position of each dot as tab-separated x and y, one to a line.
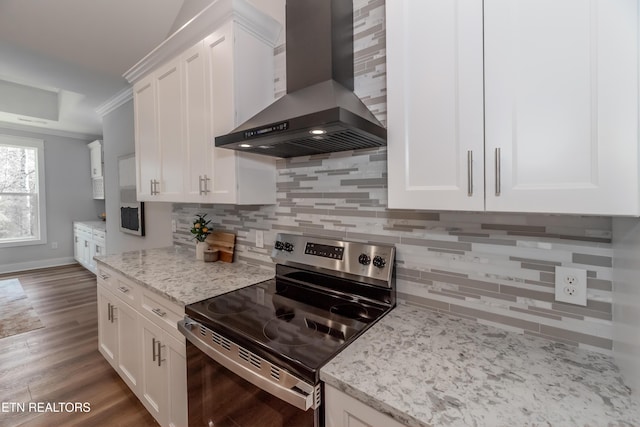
117	100
49	131
212	17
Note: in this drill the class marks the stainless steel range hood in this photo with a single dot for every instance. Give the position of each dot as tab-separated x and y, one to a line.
320	113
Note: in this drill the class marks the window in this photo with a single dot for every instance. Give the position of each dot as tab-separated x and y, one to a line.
22	202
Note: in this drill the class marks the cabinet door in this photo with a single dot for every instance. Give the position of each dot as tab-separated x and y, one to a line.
147	149
177	358
435	104
92	252
154	386
198	141
562	106
96	159
77	245
107	331
221	81
128	345
169	131
342	410
85	251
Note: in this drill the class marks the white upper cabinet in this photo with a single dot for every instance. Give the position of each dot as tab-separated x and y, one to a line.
230	94
196	122
206	90
434	103
147	149
556	129
95	154
168	81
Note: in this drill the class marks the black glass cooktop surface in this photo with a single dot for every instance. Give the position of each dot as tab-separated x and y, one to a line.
287	322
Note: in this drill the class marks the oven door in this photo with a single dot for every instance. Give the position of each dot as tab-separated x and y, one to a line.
224	391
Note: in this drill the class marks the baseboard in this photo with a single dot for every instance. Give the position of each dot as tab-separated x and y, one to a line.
32	265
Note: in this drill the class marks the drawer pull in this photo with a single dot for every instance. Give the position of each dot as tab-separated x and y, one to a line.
123	289
469	173
159	312
498	172
104	276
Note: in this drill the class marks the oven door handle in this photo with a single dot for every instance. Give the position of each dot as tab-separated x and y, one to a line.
293	395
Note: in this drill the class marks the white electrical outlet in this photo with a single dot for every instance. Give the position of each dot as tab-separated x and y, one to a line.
54	245
174	226
571	285
259	239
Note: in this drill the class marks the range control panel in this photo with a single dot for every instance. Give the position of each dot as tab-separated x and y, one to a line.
362	259
327	251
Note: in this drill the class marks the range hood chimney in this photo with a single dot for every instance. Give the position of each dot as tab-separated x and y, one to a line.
320	113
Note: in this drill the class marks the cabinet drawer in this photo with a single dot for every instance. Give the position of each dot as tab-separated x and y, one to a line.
99	236
127	291
162	312
106	277
84	232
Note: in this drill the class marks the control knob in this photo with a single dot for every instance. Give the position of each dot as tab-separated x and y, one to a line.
279	245
379	262
288	247
364	259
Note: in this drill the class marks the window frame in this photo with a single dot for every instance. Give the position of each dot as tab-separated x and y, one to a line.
38	144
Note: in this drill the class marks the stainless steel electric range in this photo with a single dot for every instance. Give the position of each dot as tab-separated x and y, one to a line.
254	354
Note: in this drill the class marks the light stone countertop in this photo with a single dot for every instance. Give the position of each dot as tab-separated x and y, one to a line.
428	369
174	273
98	225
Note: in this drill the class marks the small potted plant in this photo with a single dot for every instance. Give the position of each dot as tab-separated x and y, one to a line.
201	230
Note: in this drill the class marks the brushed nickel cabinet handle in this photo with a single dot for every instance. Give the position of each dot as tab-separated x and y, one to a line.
159	312
160	359
123	289
153	348
109	312
469	173
205	180
498	172
151	187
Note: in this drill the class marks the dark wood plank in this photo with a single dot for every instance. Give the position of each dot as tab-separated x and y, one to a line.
61	362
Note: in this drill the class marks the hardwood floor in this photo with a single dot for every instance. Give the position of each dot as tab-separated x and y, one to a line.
61	362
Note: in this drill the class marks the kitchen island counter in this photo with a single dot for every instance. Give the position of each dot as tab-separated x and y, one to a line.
174	273
428	369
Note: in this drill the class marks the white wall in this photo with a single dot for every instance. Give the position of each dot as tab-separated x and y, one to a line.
68	198
626	298
118	137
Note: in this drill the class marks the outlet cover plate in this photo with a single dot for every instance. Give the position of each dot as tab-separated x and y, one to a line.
259	239
571	285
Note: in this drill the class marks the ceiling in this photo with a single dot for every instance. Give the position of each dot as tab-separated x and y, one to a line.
77	49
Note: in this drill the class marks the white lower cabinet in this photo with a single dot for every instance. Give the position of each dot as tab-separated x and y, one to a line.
164	373
342	410
88	241
107	332
143	346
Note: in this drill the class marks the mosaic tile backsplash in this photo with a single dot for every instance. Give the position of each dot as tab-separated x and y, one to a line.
495	268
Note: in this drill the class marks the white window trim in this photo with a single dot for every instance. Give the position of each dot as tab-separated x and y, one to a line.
20	141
